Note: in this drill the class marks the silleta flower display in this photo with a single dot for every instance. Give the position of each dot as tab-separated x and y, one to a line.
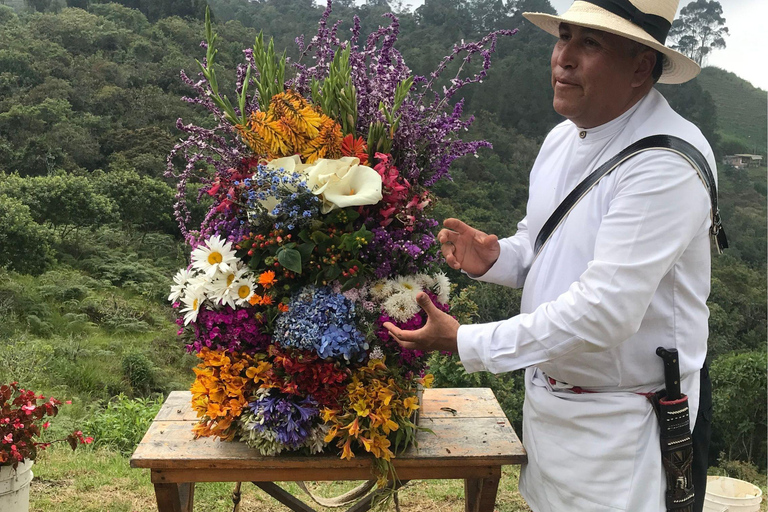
318	234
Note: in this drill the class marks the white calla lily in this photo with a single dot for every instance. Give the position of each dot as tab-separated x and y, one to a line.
344	182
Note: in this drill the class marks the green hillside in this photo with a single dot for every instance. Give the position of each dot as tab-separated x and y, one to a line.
741	110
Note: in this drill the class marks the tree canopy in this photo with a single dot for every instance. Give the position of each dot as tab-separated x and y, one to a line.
699	29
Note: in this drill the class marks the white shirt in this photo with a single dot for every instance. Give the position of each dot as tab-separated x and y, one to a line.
626	272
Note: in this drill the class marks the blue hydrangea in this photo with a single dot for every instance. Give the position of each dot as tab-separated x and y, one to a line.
319	319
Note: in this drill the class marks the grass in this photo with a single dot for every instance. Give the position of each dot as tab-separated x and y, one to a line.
101	480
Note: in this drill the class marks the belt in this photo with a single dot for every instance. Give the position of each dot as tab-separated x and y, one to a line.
578	389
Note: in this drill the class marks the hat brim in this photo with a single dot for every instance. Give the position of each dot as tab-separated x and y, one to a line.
677	67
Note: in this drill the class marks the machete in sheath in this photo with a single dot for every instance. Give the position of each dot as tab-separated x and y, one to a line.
671	408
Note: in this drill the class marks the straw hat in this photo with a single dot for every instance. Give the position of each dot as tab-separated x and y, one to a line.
644	21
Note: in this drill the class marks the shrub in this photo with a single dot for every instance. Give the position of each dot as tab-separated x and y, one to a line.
738	469
739	405
139	371
25	359
123	422
24	244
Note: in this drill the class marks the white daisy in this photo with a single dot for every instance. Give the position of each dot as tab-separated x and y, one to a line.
381	289
401	306
406	284
442	287
216	255
180	280
243	289
192	300
222	290
424	280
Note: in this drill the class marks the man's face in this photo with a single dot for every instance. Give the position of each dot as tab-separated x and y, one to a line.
593	75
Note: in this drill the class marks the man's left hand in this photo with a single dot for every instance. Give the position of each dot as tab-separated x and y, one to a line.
439	333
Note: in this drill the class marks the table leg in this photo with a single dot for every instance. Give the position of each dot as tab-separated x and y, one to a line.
175	497
480	493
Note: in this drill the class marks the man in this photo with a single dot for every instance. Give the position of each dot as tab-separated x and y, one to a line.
626	272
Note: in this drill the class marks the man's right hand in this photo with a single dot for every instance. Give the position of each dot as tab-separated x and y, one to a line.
468	249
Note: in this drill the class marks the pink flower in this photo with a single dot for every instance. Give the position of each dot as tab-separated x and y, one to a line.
28	408
8	439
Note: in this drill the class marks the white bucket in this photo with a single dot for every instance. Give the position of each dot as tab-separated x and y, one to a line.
14	487
731	495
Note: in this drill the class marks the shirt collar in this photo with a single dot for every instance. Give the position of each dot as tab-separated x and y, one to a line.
609	129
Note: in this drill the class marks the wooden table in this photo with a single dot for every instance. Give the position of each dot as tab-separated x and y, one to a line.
472	439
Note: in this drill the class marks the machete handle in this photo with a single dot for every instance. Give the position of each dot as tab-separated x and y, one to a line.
671	372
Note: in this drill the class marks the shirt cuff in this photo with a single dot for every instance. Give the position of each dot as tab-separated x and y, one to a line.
499	271
470	348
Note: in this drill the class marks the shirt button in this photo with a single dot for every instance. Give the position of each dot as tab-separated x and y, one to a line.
582	134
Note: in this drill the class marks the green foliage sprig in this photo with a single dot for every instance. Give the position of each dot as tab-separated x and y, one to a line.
210	75
379	136
337	95
271	79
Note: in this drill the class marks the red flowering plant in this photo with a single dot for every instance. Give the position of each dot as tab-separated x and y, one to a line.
22	414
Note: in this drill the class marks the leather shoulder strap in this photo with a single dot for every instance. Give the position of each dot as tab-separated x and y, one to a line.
654	142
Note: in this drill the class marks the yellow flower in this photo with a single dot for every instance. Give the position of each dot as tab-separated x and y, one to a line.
353	428
389	426
427	380
331	434
411	403
385	395
346	452
361	407
329	415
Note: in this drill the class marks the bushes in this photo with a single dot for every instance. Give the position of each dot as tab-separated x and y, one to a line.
139	371
123	422
739	402
24	244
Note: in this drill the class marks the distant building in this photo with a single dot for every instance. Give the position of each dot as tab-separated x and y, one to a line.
742	161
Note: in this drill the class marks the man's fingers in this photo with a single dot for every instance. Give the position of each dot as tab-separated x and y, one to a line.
451	260
456	225
490	241
399	334
446	235
406	339
425	303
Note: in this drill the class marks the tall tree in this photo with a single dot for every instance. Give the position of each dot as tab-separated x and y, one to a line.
699	29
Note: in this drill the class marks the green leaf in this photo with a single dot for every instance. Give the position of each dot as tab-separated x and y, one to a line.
290	259
318	237
332	273
306	250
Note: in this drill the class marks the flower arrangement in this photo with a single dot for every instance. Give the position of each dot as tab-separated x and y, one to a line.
21	414
318	234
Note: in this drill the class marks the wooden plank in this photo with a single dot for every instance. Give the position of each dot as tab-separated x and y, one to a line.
177	407
284	497
466	402
170	444
316	475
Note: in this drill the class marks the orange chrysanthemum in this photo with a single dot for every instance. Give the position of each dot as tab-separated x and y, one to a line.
267	279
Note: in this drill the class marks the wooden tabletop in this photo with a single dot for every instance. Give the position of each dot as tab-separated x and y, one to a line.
468	429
